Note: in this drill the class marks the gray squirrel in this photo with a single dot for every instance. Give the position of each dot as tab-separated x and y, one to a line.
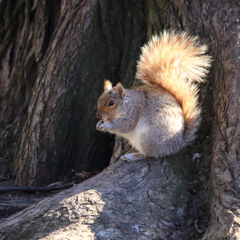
162	116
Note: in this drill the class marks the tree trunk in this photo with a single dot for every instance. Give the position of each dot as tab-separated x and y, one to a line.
60	78
141	200
220	21
56	131
225	187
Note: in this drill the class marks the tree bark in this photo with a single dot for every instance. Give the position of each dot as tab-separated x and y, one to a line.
56	131
225	187
26	30
220	21
141	200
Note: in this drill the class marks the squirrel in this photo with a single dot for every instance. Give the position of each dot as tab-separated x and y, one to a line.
162	116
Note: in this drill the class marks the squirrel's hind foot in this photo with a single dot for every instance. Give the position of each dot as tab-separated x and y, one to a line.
130	157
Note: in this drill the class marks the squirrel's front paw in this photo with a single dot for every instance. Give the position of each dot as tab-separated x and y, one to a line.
101	126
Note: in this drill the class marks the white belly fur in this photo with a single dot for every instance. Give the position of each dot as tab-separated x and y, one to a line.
136	135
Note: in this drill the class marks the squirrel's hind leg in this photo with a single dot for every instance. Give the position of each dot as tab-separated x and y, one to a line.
130	157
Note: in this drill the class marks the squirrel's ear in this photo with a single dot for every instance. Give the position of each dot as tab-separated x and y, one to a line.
107	85
120	90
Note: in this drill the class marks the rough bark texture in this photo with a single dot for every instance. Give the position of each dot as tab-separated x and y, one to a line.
141	200
56	131
219	20
57	80
26	29
225	168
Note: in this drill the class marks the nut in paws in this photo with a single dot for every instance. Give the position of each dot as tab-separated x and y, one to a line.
101	126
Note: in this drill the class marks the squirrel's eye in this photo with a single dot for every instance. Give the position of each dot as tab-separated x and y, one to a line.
111	103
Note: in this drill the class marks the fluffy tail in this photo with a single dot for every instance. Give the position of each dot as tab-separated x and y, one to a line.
176	61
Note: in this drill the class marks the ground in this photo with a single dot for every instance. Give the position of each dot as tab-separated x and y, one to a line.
14	201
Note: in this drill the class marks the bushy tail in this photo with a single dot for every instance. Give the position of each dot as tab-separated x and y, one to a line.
176	61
